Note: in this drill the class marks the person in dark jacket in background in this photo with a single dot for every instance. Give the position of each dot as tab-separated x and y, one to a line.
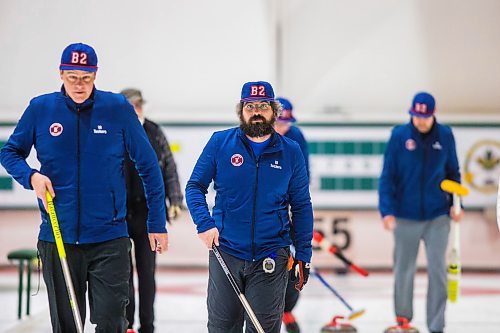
418	157
81	136
137	212
285	126
257	176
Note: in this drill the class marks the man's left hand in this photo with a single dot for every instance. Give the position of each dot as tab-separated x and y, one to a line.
300	273
454	216
158	242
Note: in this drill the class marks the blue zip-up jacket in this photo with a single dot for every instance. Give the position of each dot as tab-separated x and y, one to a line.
252	196
296	135
81	149
414	166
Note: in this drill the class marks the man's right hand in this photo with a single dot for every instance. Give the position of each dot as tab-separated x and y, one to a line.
389	222
40	184
210	237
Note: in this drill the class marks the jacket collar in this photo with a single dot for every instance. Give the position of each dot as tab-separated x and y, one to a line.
432	133
88	104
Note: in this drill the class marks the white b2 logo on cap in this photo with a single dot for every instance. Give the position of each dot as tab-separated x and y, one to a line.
258	91
420	108
79	58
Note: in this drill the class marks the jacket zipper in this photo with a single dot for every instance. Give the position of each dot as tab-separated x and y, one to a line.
222	227
250	150
78	175
422	180
282	225
115	211
255	205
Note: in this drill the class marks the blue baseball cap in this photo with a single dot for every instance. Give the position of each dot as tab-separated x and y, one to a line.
423	105
286	114
257	91
79	56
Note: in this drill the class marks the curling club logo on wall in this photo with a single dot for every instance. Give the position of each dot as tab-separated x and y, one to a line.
56	129
482	166
410	144
236	160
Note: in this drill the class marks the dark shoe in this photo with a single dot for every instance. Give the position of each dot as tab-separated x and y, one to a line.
290	323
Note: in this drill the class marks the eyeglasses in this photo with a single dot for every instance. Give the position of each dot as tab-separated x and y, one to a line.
256	107
72	78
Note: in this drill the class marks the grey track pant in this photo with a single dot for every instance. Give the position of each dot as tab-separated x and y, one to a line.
407	236
265	293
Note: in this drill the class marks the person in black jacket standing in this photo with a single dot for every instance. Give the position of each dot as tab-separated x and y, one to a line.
137	211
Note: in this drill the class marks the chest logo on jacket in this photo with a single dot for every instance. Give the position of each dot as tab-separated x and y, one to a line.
56	129
276	165
437	146
236	160
410	144
100	130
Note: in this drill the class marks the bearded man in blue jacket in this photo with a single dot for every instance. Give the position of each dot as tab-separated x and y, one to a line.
418	157
257	176
81	136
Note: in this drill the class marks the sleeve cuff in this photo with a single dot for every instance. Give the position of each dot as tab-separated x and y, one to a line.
27	185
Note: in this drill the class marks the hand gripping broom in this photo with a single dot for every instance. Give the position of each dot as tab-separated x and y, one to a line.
454	267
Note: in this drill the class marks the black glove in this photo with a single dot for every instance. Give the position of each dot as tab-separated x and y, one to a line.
300	273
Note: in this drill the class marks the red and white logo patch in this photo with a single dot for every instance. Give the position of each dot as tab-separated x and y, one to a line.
56	129
411	144
236	160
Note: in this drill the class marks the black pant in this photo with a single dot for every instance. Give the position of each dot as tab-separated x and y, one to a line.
291	296
265	293
145	264
104	266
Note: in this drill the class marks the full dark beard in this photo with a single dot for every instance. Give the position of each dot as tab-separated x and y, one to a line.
256	130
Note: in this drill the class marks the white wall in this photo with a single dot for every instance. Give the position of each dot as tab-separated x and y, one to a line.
364	58
372	56
183	54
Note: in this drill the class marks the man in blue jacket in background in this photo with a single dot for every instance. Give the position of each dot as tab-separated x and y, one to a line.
285	126
257	176
418	157
81	136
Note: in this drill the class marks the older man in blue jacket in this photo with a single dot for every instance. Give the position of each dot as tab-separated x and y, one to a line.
257	176
81	136
418	157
